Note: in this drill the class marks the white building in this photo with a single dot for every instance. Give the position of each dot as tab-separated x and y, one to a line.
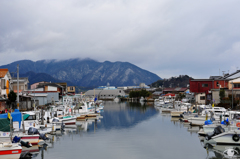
105	94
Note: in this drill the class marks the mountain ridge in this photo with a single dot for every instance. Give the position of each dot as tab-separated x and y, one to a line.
87	72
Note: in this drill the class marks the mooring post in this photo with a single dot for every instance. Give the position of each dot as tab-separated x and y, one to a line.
42	121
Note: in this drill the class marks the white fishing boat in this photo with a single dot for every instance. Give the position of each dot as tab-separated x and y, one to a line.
206	115
180	108
159	102
69	119
10	150
224	138
230	124
167	110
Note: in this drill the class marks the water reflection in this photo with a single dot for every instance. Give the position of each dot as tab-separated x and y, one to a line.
125	116
222	151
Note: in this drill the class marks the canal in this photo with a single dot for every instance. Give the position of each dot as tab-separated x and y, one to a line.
127	130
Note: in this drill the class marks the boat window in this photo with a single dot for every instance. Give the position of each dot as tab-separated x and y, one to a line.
31	117
218	111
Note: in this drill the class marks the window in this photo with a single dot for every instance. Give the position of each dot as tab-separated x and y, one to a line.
217	84
31	117
236	85
204	85
3	83
202	97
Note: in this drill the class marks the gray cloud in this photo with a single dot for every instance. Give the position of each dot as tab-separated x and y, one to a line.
166	37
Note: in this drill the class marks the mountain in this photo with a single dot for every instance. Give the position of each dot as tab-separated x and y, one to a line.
181	81
87	72
37	77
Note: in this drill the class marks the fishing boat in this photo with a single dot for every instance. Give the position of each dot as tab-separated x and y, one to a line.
219	137
229	124
207	114
66	120
159	102
181	108
10	150
5	131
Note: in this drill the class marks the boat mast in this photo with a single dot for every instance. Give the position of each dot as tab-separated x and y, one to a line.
11	126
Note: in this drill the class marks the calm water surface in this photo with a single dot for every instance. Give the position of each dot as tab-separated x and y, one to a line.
131	131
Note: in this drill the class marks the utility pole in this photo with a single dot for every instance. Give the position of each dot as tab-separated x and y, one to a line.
34	99
17	86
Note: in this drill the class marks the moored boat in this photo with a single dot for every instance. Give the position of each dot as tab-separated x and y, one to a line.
10	150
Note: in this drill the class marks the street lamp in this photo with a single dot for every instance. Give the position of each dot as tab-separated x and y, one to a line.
232	94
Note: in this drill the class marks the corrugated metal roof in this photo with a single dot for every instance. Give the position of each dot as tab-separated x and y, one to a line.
157	92
3	72
177	89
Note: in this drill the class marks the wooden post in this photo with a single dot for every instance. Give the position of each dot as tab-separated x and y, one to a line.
42	120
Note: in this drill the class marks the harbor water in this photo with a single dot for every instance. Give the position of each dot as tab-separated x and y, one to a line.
127	130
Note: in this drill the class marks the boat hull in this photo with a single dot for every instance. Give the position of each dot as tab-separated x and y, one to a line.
10	152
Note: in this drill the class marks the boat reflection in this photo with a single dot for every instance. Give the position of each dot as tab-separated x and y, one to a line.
222	151
193	129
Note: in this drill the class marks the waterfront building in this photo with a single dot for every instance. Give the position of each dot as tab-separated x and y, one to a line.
105	93
35	85
64	87
46	92
71	90
207	90
23	84
5	82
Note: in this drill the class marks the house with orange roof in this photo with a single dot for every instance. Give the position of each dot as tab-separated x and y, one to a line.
5	82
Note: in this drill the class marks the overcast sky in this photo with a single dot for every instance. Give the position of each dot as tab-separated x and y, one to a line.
166	37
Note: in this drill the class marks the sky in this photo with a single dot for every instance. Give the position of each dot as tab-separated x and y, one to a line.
166	37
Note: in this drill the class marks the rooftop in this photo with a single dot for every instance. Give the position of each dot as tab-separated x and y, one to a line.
177	89
3	72
21	79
